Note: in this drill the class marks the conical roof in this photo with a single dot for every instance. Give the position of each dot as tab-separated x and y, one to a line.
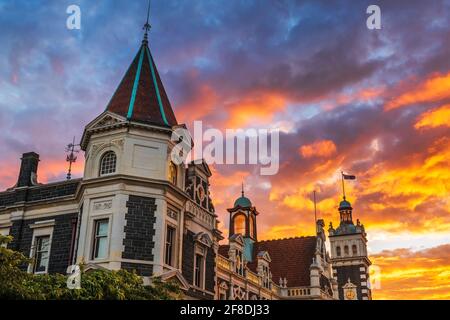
140	95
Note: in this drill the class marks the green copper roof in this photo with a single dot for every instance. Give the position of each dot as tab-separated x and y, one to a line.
243	202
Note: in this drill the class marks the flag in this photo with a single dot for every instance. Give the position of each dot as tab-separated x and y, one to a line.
348	176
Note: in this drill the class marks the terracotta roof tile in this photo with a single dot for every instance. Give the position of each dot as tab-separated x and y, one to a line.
151	104
291	258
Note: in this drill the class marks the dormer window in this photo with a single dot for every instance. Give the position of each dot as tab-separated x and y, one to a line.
108	163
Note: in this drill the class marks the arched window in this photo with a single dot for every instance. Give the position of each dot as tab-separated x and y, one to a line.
354	250
346	252
108	163
239	224
173	173
338	251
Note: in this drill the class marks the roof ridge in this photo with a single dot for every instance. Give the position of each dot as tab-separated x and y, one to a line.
287	238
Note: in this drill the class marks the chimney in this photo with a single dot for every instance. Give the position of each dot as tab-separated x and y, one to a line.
28	170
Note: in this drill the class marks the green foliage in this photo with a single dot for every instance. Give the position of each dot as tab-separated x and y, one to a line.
95	284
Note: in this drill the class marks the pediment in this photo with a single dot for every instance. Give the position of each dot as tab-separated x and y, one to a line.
177	277
237	238
264	255
204	239
106	119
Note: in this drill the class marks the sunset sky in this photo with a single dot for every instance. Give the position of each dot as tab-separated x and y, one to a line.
373	103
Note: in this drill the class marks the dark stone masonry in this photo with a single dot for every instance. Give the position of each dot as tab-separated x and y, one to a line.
139	229
61	242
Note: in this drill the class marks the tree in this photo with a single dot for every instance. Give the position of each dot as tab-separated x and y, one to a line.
95	284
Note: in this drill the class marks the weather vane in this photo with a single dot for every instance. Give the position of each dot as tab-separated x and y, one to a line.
147	25
71	150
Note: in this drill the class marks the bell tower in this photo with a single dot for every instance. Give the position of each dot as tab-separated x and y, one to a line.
348	244
243	222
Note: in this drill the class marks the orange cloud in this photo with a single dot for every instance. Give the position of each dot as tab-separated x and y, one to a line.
436	88
434	118
406	274
255	108
323	148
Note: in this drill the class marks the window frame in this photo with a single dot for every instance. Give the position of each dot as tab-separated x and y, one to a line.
199	280
338	251
95	237
102	159
346	250
172	256
354	249
37	251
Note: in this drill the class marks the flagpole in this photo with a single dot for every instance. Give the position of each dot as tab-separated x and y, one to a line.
315	208
315	211
343	187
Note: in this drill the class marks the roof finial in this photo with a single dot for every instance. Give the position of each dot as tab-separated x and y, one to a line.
147	25
242	188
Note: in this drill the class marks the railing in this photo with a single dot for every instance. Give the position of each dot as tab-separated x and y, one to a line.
223	262
253	277
298	292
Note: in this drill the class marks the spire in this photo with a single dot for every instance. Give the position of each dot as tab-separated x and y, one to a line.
242	189
141	96
147	25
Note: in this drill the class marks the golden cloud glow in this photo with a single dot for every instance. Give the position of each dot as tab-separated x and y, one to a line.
405	274
255	108
436	88
434	118
324	148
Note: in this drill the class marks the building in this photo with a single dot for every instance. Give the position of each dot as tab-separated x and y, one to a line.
135	209
349	256
294	268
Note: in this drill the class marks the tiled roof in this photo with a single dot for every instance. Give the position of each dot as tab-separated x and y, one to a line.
291	258
223	250
140	95
41	192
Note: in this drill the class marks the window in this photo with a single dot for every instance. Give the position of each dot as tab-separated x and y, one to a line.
346	252
108	163
239	224
239	263
198	272
169	249
41	254
354	250
338	251
173	173
4	232
266	277
100	239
